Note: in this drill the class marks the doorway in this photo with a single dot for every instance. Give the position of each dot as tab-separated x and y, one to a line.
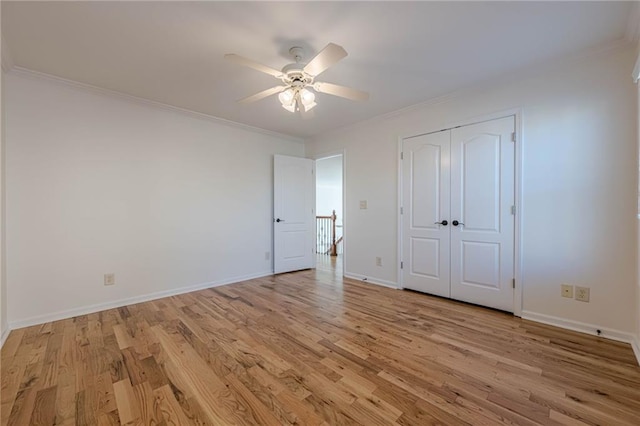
330	214
458	213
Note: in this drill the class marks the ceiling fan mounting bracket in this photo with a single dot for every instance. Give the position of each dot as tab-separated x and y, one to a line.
296	52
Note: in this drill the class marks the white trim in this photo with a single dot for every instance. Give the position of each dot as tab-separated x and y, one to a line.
635	345
518	257
4	335
70	313
518	154
377	281
399	206
636	71
154	104
582	327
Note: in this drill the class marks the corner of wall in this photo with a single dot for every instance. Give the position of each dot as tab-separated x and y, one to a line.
635	345
4	334
6	65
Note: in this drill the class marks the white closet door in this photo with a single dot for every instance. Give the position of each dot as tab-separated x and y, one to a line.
425	177
482	195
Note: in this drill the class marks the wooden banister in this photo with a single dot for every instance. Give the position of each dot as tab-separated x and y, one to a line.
326	239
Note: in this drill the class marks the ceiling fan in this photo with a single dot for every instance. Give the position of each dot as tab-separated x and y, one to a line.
298	79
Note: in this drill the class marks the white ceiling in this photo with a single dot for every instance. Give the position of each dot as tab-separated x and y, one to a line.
403	53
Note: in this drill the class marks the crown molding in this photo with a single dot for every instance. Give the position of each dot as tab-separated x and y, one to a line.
522	73
632	33
7	60
17	70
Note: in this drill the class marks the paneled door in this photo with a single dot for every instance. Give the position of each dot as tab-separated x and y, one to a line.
458	227
293	214
426	217
482	244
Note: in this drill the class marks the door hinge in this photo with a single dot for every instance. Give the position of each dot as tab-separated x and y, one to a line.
401	265
513	283
401	210
513	210
402	155
513	137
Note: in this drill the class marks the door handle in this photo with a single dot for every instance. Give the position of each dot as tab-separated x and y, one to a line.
279	220
456	223
443	223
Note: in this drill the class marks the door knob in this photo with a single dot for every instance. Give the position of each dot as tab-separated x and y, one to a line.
456	223
279	220
444	223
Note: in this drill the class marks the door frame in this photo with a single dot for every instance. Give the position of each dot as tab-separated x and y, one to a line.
329	154
519	144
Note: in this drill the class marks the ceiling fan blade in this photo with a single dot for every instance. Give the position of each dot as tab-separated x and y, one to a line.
252	64
328	56
342	91
262	95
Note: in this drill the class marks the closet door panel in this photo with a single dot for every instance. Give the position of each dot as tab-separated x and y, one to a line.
426	180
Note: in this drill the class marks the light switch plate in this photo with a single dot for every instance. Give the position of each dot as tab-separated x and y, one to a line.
363	204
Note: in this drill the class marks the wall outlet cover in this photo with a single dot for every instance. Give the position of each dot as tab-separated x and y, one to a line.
582	294
109	279
378	261
363	204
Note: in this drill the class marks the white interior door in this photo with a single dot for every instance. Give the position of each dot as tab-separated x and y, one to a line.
482	196
293	214
466	177
425	218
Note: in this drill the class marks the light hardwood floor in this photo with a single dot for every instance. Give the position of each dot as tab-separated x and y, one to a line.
310	348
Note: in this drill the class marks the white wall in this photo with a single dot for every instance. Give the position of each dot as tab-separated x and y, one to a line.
579	182
99	184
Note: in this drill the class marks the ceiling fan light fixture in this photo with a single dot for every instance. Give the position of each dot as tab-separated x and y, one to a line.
309	106
290	108
287	97
297	78
307	98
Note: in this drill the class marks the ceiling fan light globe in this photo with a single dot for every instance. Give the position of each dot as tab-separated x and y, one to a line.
307	98
286	97
307	107
290	108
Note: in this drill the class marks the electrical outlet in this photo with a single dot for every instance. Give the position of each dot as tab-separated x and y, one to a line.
363	204
109	279
567	290
378	261
267	255
582	294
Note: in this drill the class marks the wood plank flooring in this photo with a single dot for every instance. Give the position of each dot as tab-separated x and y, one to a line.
310	348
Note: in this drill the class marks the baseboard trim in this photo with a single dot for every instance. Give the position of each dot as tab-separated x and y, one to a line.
635	345
3	336
70	313
582	327
366	279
